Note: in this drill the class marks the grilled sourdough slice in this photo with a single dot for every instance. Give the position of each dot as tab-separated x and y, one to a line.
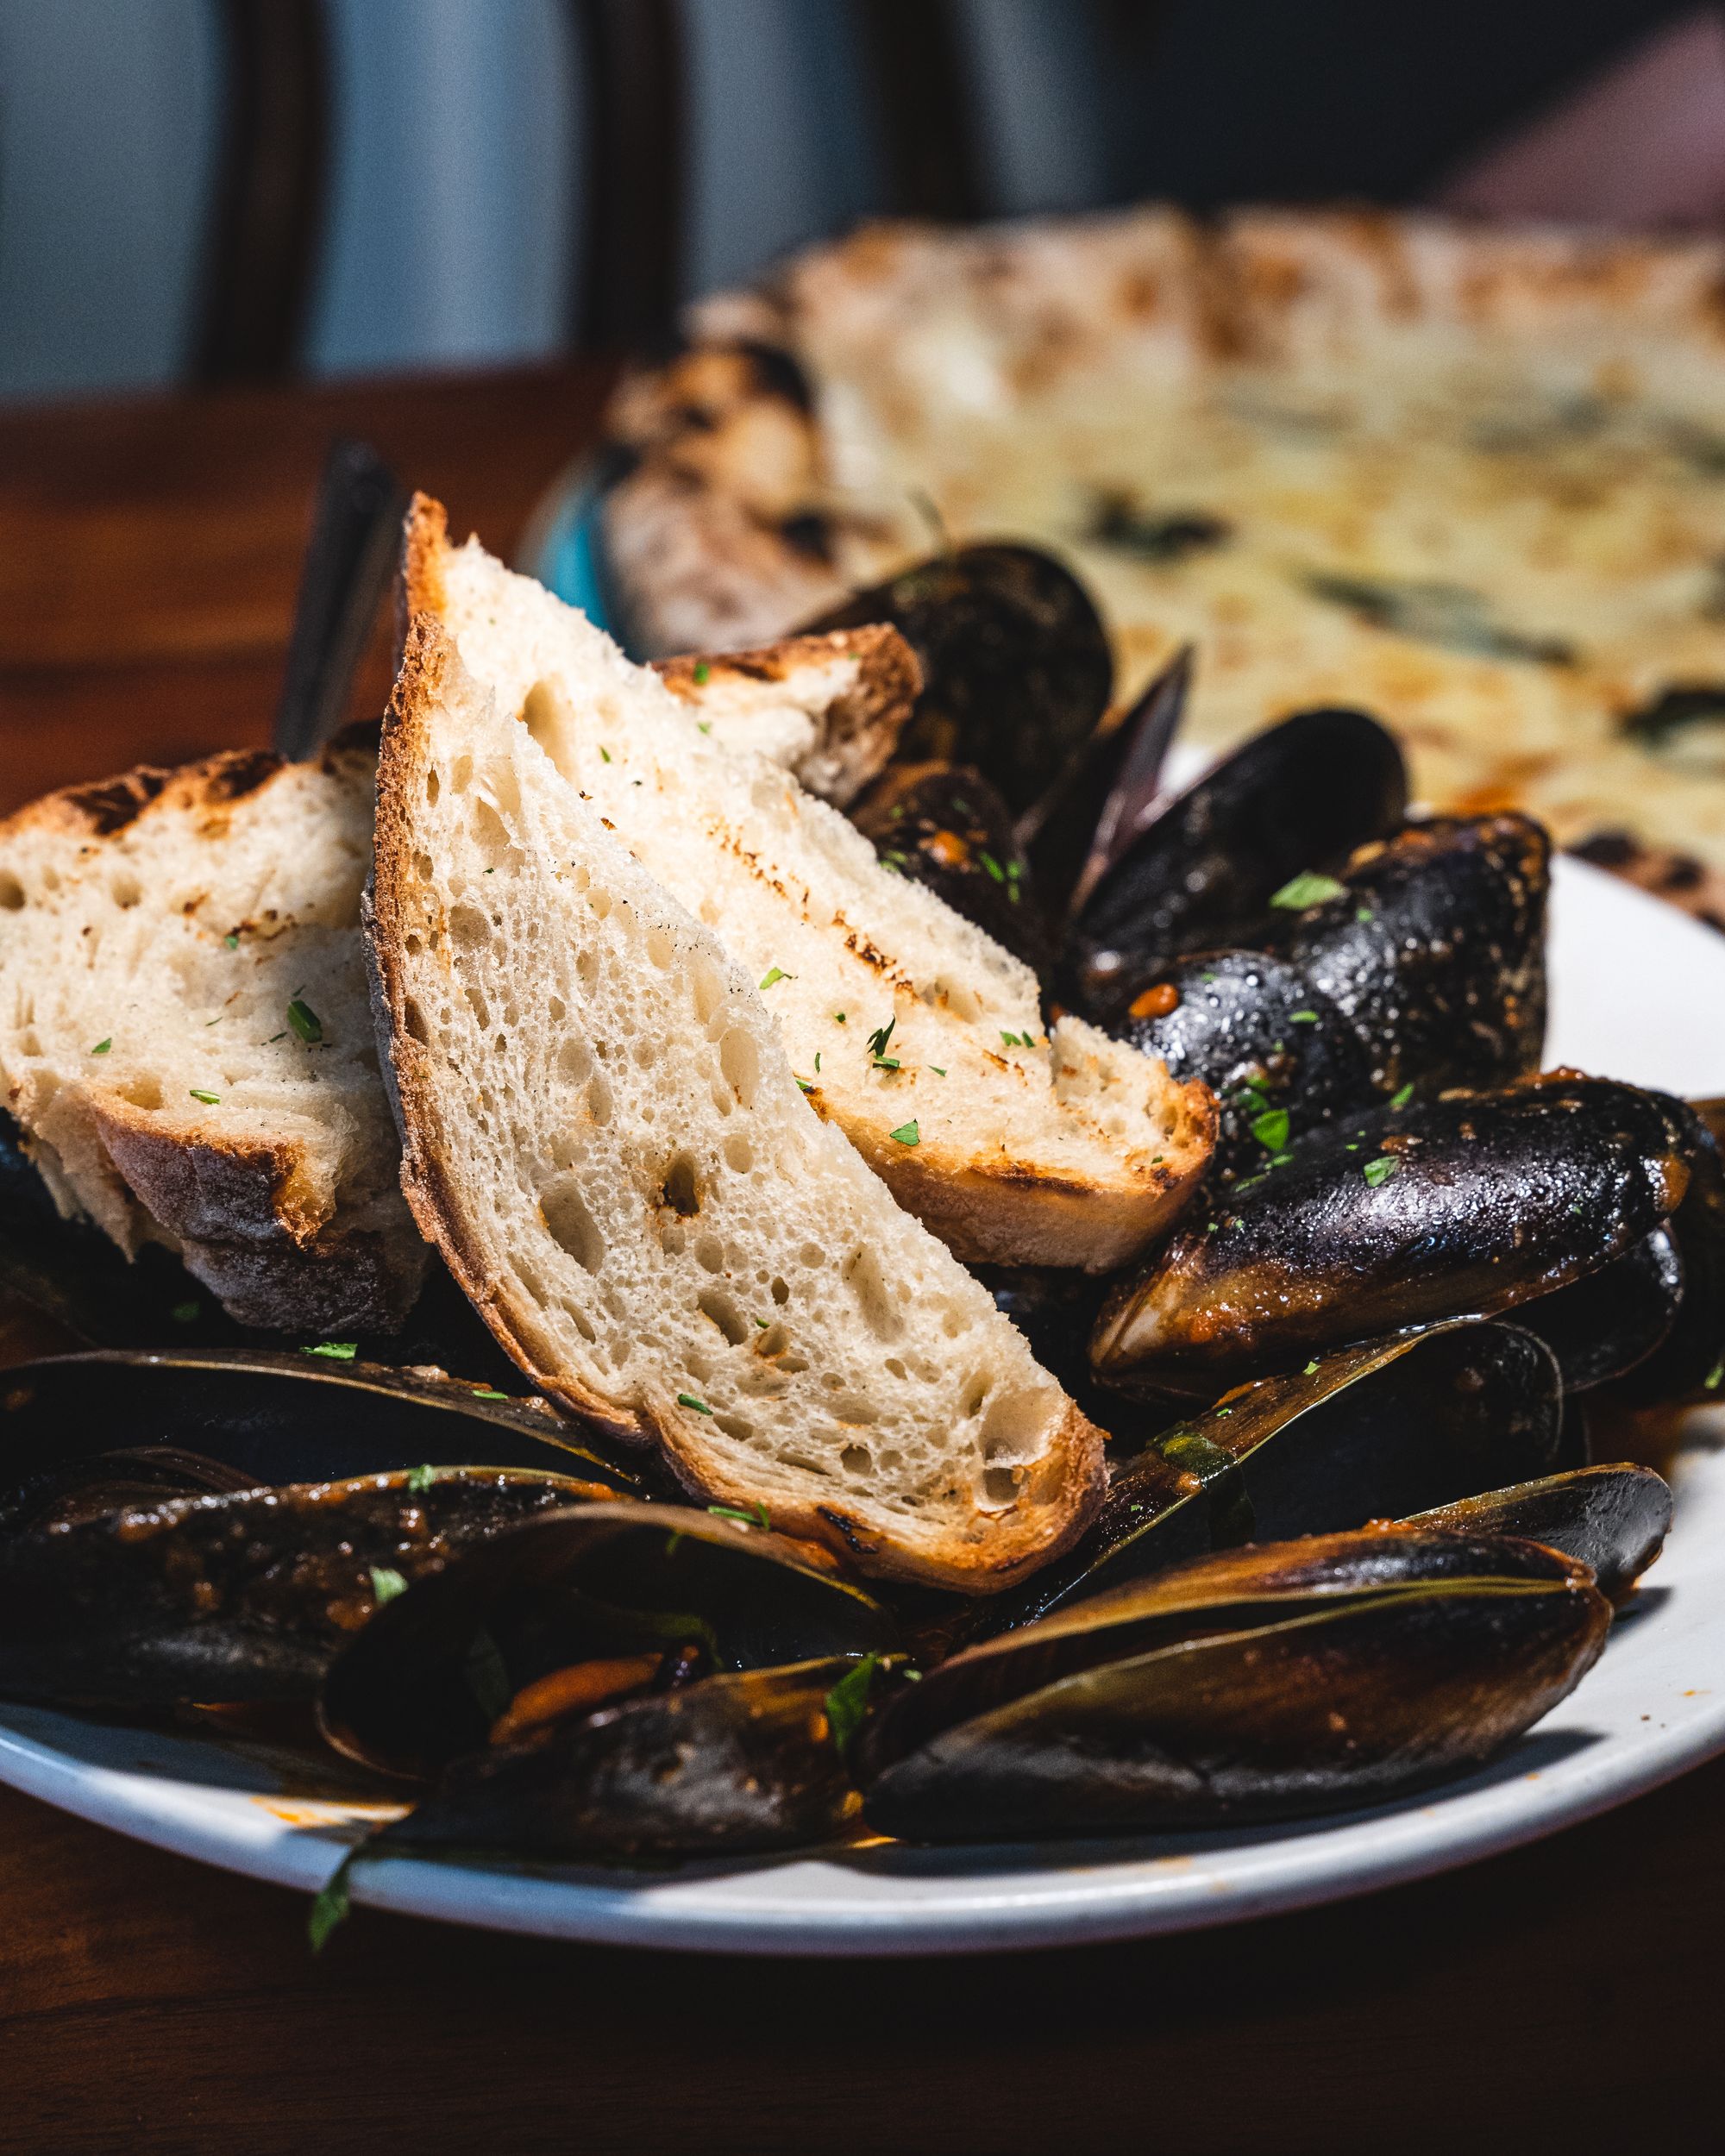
910	1028
830	708
603	1134
184	1035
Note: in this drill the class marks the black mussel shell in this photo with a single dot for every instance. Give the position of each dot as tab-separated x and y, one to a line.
1262	1683
1609	1322
428	1680
243	1596
267	1418
945	825
1613	1519
1434	950
729	1765
1298	798
1016	671
1278	1057
1088	815
1465	1206
1364	1433
1688	1366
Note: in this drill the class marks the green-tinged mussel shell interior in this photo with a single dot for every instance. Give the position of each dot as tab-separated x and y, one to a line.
1260	1683
428	1678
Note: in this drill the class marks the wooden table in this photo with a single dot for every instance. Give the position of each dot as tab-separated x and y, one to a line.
1568	1994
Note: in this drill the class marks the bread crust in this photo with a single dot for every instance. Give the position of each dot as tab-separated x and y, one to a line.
994	1550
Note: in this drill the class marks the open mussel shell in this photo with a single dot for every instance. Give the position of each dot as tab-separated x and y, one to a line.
945	825
430	1677
1201	875
1016	671
1688	1366
243	1595
733	1765
1610	1322
1464	1206
1434	950
1278	1056
1613	1520
265	1417
1281	1679
1368	1432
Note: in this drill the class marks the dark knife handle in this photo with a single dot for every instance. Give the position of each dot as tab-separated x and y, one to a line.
356	530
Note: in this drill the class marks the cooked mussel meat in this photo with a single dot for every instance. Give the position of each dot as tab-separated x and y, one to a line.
1262	1683
256	1416
733	1765
1294	801
242	1596
535	1614
1361	1433
1467	1205
945	826
1613	1518
1016	671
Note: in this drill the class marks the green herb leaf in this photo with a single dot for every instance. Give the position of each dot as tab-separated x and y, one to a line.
838	1017
938	1070
103	1047
422	1478
487	1392
1271	1129
992	866
1310	1367
210	1099
232	942
386	1583
702	726
184	1312
756	1515
333	1351
1400	1099
688	1400
1251	1097
1380	1170
703	674
306	1022
329	1908
773	973
806	1084
880	1037
605	754
1302	1018
1301	891
816	1063
1364	913
1715	1377
848	1702
906	1133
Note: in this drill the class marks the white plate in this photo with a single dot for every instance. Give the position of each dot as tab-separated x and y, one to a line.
1638	993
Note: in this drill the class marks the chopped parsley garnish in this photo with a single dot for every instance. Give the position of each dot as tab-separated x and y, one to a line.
605	754
1715	1377
232	942
879	1038
1251	1097
1019	1040
1308	889
103	1047
422	1478
330	1909
992	866
306	1022
765	1323
816	1063
273	1038
1302	1018
210	1099
688	1400
1380	1170
887	1062
755	1516
184	1312
806	1084
906	1133
488	1392
775	973
1310	1367
848	1702
703	674
386	1583
1364	913
838	1017
938	1069
1400	1099
1271	1129
704	726
333	1351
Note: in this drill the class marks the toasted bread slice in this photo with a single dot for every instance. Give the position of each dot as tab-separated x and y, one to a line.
910	1028
829	709
604	1135
184	1035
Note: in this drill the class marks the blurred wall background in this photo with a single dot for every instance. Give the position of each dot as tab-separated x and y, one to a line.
454	214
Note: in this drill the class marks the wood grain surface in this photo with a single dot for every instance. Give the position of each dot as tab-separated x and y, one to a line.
1566	1997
